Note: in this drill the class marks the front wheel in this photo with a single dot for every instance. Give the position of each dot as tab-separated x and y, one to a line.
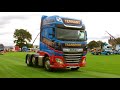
47	64
74	69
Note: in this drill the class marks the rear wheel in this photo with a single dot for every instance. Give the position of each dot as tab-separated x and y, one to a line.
74	69
29	61
34	61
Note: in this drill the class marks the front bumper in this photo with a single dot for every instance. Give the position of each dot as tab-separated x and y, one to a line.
66	65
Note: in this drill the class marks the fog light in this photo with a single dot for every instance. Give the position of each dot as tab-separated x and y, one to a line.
84	60
58	60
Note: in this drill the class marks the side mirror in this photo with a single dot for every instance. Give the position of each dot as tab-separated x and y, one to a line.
86	35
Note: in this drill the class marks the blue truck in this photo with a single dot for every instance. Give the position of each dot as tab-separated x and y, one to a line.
2	49
105	50
63	44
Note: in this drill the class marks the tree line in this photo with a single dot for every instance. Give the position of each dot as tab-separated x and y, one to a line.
94	44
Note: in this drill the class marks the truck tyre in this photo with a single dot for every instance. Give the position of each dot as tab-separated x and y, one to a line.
74	69
34	61
28	60
47	64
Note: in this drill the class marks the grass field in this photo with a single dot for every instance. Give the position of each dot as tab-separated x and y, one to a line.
12	65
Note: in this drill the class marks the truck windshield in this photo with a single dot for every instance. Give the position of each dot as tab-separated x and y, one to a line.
69	34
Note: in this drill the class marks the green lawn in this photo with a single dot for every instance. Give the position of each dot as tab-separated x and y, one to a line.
12	65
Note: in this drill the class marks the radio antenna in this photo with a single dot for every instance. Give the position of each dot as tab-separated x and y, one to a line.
35	38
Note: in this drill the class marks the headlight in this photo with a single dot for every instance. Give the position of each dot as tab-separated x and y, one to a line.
66	50
79	50
72	50
58	60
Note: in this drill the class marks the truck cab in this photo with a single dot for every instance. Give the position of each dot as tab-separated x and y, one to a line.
107	49
62	44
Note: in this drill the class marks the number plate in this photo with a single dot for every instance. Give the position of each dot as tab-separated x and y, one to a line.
72	66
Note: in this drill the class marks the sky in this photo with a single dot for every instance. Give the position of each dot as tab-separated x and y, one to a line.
96	24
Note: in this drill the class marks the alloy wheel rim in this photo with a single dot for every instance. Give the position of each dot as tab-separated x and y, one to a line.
47	64
33	60
28	60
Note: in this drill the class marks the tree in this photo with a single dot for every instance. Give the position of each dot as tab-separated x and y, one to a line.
29	45
92	44
118	39
100	43
22	37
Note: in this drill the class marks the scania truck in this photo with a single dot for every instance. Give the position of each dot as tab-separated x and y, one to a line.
63	44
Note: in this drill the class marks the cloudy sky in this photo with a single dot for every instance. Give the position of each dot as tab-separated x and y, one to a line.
96	24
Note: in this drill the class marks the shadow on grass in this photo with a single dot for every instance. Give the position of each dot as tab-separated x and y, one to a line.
63	71
54	70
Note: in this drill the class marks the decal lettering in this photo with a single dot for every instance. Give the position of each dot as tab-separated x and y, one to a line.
48	42
68	44
72	21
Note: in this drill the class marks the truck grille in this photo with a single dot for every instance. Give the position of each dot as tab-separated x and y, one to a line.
72	58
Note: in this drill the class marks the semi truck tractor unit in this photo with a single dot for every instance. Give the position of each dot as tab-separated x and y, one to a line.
62	44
